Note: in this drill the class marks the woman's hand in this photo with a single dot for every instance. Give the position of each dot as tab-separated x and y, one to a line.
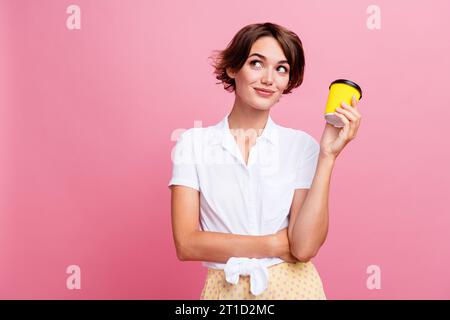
282	247
335	139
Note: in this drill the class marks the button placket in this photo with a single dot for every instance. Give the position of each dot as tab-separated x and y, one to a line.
252	202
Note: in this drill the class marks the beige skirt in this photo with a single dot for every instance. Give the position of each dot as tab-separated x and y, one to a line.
287	281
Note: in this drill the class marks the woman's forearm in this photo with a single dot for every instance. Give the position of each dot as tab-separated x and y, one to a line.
219	247
311	225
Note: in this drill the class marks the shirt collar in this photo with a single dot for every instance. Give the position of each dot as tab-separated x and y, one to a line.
269	133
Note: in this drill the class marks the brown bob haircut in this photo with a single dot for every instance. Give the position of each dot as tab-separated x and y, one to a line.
237	51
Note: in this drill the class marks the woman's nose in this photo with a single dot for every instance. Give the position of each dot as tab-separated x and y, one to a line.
267	78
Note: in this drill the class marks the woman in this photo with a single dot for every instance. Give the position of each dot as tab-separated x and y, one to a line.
257	191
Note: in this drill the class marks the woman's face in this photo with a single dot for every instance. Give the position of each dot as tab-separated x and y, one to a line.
265	68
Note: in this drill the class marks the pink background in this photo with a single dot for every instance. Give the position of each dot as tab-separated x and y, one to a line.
87	115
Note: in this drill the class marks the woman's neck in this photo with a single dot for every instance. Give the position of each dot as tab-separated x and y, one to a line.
247	118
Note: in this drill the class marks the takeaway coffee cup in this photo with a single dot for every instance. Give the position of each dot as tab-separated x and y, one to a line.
341	90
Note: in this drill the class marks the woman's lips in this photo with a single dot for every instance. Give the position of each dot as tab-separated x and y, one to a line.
264	93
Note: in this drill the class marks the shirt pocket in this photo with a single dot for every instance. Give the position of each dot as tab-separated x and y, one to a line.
277	195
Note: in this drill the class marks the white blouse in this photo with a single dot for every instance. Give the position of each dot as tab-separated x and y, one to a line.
252	199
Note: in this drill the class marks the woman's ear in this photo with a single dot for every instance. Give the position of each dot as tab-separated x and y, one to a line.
230	73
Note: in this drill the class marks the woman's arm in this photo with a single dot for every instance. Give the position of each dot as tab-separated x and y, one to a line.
195	245
308	227
219	247
311	224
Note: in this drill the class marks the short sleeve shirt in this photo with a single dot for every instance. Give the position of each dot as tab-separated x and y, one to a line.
253	198
239	198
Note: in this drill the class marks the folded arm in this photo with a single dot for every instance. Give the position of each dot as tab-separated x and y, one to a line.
193	244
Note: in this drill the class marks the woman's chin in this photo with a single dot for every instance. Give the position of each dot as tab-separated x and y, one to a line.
262	107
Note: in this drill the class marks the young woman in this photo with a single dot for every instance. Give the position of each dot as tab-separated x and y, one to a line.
250	197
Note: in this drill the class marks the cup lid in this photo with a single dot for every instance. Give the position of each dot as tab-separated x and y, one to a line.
350	83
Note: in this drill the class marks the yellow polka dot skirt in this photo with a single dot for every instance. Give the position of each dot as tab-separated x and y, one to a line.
287	281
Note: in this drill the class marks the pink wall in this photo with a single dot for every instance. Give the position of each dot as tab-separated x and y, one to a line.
86	119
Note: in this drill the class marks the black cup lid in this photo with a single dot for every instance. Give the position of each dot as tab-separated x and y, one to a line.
351	83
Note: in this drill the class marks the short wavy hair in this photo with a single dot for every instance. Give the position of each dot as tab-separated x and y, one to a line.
237	51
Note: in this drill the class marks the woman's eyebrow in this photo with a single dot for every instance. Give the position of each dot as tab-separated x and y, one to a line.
264	58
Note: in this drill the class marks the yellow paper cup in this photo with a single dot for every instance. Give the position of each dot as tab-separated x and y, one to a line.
341	90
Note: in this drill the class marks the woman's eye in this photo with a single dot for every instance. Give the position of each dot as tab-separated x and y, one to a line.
285	69
254	62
